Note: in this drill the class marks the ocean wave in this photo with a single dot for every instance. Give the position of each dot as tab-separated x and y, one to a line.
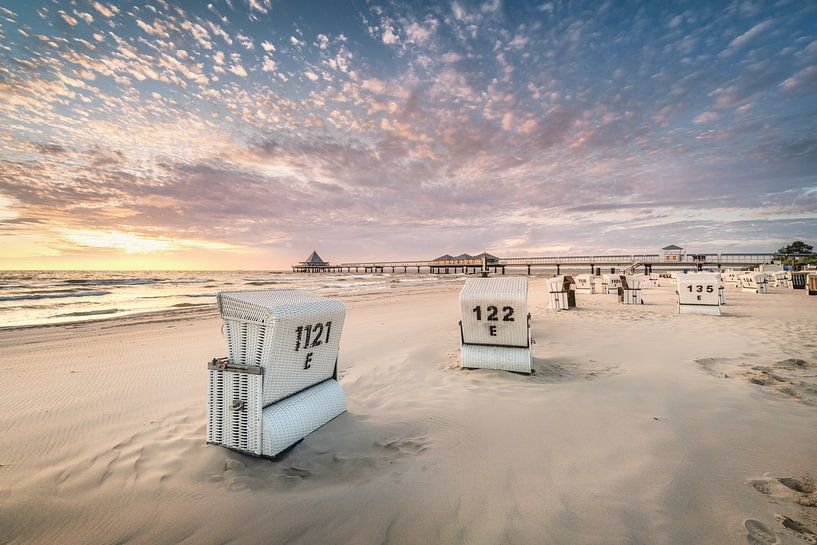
187	305
111	281
31	297
87	313
350	285
266	282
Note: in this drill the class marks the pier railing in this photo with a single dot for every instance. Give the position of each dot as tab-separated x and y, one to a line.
648	261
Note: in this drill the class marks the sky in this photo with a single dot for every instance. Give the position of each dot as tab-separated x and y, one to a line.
243	134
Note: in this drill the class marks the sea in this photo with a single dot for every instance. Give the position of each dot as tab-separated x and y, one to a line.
30	298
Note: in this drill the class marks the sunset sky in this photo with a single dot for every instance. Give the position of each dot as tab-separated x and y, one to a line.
246	133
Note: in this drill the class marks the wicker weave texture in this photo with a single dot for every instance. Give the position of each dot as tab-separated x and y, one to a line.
517	360
557	301
585	283
699	293
295	417
292	334
234	410
494	311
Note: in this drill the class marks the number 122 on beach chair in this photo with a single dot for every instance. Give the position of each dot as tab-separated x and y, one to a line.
495	325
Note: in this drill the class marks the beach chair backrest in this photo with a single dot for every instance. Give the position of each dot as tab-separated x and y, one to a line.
292	335
495	311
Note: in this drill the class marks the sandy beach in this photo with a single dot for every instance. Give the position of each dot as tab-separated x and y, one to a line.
638	426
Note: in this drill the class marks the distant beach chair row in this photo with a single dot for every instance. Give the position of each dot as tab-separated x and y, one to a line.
279	380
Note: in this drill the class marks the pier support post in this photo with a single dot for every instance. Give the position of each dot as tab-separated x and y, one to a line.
503	269
503	272
557	269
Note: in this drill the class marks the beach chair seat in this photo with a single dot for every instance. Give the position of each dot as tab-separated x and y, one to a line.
699	293
495	324
237	420
278	383
561	292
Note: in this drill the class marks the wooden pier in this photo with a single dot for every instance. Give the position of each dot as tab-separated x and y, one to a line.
595	264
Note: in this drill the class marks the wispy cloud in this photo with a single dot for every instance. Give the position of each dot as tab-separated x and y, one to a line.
407	130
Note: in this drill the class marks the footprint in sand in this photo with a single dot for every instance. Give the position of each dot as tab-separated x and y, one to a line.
804	486
404	446
759	533
790	377
801	490
798	528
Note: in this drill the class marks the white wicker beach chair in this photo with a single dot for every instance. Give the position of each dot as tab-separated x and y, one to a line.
495	325
781	279
721	289
699	293
629	291
278	383
754	282
561	292
731	279
610	283
585	283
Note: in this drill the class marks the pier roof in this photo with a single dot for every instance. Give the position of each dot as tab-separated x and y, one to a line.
314	259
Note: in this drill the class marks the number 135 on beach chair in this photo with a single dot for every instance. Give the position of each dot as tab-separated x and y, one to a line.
495	325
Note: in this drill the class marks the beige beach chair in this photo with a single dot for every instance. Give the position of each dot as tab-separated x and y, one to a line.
699	293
